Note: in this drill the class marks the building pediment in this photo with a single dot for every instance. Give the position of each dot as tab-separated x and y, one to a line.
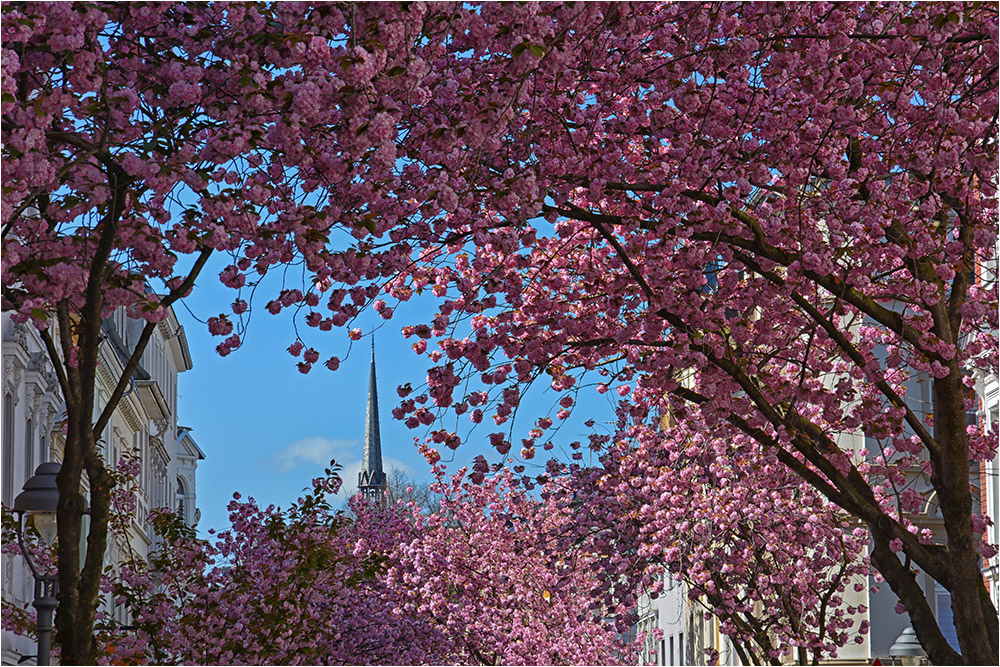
187	447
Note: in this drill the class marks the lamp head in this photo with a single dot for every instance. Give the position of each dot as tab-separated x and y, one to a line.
39	500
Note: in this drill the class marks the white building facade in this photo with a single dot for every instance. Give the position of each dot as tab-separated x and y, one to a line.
144	425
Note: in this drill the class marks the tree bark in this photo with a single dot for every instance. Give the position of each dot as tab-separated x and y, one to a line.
951	480
79	592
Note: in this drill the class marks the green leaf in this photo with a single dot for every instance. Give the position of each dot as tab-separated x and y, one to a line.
396	71
518	49
368	222
537	49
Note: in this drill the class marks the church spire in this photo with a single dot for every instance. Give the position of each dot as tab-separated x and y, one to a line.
371	479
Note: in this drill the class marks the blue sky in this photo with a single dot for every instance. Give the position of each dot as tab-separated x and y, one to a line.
267	429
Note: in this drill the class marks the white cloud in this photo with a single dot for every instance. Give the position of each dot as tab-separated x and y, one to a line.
318	450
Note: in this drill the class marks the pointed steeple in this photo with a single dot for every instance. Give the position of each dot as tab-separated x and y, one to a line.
371	479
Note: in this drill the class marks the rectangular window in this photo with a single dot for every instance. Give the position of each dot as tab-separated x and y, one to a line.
672	650
680	648
29	450
8	449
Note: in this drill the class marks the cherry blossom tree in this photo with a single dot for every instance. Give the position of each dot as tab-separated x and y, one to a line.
757	546
765	218
471	583
762	217
138	141
757	217
480	568
279	587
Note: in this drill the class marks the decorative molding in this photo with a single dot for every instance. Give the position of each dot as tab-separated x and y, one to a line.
157	449
17	333
38	362
126	408
152	399
12	371
47	426
105	377
130	415
165	331
177	337
159	466
161	427
8	571
52	382
34	396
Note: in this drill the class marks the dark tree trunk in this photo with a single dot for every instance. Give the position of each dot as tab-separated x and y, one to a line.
79	582
951	479
79	590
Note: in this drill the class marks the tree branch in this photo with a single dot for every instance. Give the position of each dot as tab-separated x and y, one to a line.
147	332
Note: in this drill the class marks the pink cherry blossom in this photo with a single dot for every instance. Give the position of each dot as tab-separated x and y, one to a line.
754	220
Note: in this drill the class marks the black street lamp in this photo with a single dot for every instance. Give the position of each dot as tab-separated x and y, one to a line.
38	500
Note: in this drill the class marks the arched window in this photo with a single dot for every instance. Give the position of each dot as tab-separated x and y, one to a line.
182	500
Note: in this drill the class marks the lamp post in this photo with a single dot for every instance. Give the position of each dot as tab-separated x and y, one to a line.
38	500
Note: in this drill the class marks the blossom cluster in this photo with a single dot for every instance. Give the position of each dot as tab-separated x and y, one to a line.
470	581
